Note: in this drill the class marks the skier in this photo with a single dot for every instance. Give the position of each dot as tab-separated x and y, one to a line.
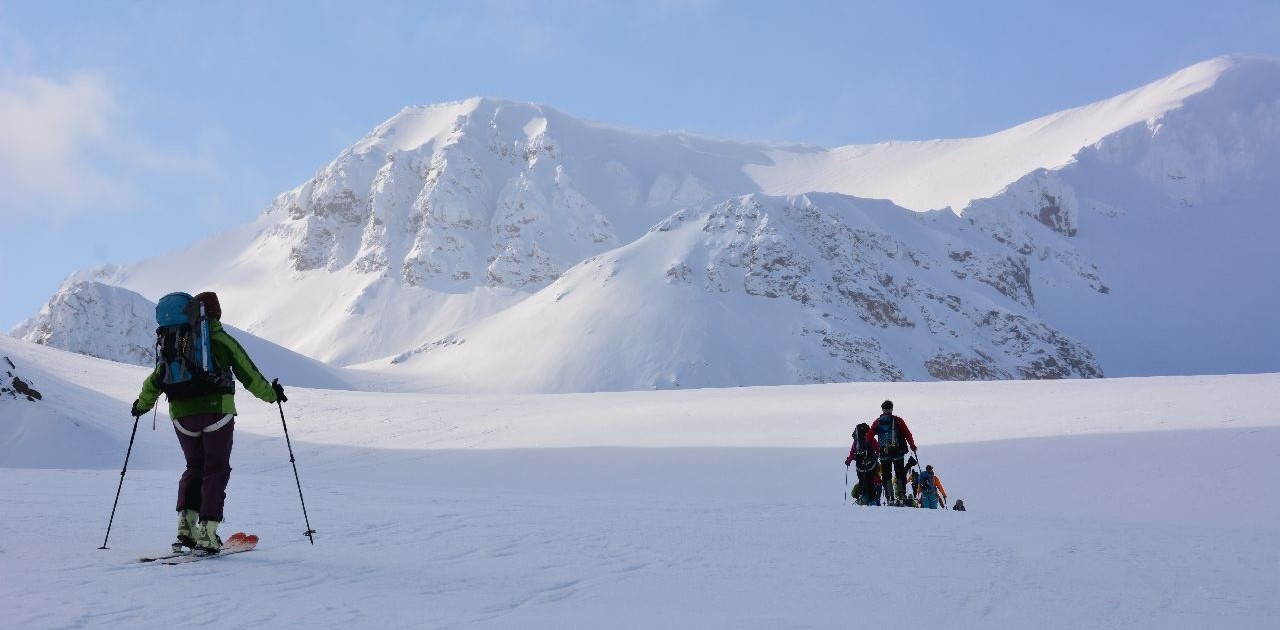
865	451
894	438
959	506
930	488
204	420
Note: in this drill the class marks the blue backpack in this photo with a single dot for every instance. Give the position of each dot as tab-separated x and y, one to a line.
185	366
887	434
926	483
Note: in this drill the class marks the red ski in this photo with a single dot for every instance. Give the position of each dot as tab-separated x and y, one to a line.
239	542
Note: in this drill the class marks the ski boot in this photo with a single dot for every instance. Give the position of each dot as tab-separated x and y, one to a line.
187	521
208	542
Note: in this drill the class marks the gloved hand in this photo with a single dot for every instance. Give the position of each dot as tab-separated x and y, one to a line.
846	462
279	389
135	411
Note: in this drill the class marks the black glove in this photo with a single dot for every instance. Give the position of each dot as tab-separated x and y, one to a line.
847	461
135	411
275	384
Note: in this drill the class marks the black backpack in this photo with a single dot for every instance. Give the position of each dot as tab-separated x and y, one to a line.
862	451
185	365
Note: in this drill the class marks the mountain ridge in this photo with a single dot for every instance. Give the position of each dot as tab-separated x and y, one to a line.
447	216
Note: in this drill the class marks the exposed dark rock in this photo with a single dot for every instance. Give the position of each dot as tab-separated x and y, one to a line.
957	367
864	354
16	387
876	310
1053	216
1028	340
24	389
679	272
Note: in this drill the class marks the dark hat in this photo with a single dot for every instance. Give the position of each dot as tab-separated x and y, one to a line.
929	468
888	404
211	306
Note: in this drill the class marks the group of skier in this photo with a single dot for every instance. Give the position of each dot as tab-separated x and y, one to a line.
878	454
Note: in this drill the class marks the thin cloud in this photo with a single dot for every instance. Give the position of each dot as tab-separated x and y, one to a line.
49	131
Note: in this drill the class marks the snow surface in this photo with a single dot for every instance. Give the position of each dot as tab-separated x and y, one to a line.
1131	503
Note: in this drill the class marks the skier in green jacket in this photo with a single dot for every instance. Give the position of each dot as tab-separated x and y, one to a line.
204	425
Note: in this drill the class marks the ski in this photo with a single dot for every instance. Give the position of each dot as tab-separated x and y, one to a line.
165	556
239	542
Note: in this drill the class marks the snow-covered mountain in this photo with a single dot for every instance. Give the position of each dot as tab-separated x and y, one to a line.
114	323
96	320
493	245
814	288
440	216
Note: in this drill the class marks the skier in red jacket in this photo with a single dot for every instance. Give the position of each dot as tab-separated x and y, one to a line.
894	437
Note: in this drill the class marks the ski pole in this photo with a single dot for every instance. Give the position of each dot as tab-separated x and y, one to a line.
845	492
306	520
127	452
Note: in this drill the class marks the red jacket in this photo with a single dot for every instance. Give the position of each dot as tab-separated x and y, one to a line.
900	426
872	445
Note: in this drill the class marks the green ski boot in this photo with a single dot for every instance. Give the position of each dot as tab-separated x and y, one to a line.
207	541
188	520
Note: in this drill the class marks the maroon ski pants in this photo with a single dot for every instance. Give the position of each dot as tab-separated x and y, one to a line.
206	444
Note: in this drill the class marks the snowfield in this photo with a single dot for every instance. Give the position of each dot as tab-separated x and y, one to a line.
1116	503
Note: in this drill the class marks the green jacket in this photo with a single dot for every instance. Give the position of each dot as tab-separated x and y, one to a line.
227	353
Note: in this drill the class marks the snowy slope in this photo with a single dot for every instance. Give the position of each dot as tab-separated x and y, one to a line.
1175	217
1088	507
765	290
81	419
951	173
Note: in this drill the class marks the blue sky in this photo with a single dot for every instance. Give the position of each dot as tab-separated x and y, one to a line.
132	128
